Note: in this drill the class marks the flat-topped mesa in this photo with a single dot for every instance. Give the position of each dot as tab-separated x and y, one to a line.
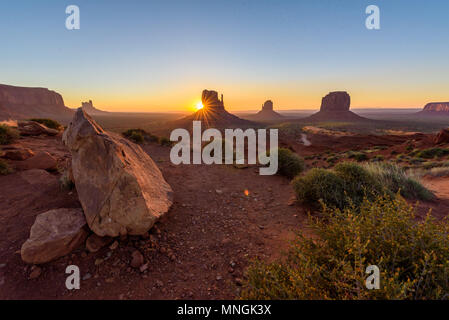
268	105
24	103
437	107
336	102
210	100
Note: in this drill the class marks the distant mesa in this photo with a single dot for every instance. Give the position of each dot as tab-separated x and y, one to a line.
90	109
25	103
213	114
267	113
335	107
435	109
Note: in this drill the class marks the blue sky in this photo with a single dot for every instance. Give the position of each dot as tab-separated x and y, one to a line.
159	55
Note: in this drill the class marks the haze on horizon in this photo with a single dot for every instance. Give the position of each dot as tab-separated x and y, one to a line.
159	55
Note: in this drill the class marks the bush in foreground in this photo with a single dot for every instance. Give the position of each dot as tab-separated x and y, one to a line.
49	123
350	182
411	256
395	179
289	163
4	168
7	134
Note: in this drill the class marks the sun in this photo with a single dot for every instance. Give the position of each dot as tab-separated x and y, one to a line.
199	105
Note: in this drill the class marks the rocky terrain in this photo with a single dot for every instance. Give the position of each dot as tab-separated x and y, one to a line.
25	103
335	107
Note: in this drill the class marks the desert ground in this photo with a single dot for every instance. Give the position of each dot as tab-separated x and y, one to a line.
222	218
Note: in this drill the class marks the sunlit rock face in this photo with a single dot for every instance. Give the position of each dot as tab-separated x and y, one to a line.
210	100
119	186
23	103
336	101
268	105
437	107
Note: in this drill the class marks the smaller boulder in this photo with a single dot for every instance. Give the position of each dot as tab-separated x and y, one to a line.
94	243
42	160
442	136
33	128
137	259
54	234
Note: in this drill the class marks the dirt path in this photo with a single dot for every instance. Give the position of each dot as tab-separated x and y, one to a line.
199	250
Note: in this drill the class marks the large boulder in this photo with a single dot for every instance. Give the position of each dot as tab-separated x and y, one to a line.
119	186
54	234
336	101
33	128
442	136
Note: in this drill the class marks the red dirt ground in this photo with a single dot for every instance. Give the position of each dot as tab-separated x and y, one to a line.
199	250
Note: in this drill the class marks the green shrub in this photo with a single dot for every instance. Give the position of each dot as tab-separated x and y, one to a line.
320	185
358	156
49	123
395	179
7	134
430	153
4	168
378	158
412	257
289	163
357	181
164	141
135	135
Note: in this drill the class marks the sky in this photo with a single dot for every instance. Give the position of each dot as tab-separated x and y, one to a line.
158	55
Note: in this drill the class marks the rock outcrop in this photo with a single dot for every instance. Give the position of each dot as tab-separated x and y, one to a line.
267	113
17	153
90	109
335	107
119	186
25	103
213	114
54	234
41	160
442	137
33	128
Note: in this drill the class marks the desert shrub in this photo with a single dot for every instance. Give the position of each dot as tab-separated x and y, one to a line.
439	172
320	185
395	179
357	181
135	135
358	156
49	123
289	163
411	256
4	168
378	158
164	141
430	153
7	134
